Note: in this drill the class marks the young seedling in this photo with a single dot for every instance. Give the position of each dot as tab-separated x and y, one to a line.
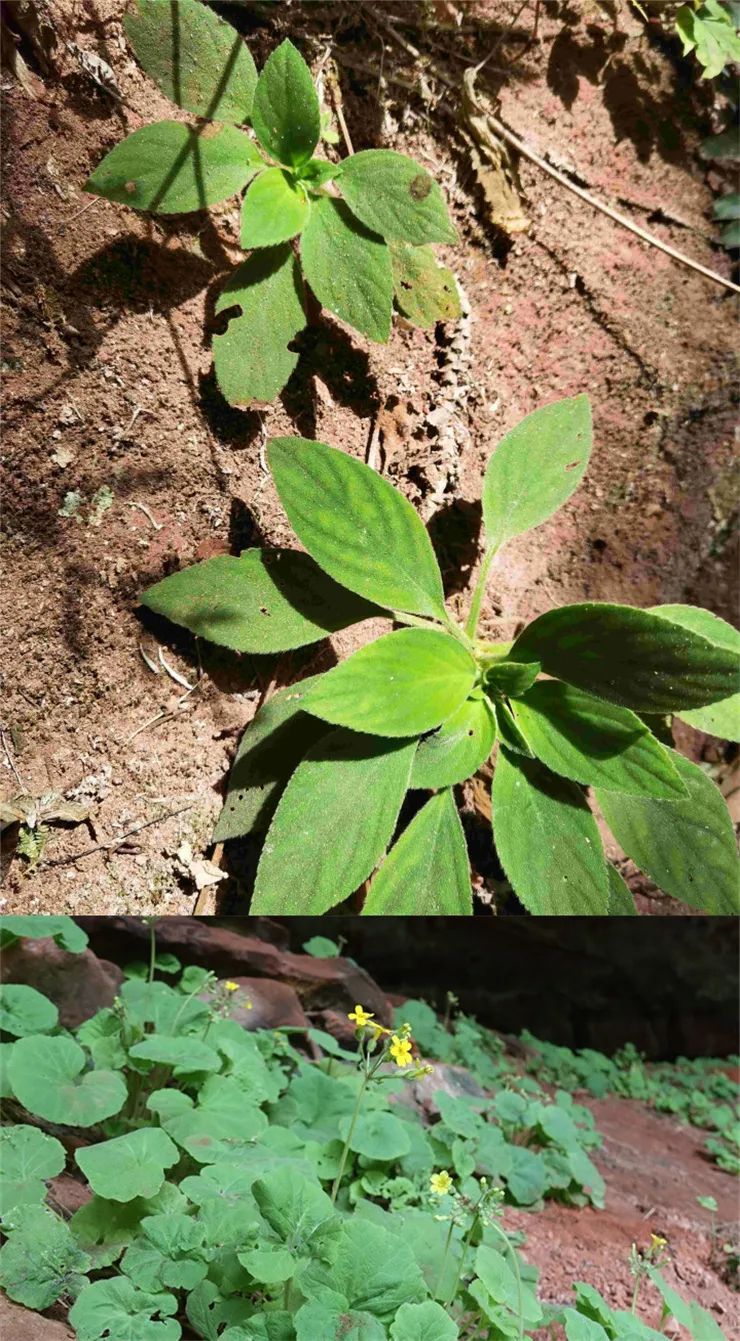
357	232
572	703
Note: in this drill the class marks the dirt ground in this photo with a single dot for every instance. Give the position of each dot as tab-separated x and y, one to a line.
123	462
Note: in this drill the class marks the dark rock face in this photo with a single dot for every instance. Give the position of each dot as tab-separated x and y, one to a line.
79	985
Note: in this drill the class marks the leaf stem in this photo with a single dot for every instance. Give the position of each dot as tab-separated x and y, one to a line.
515	1261
471	627
448	1241
350	1133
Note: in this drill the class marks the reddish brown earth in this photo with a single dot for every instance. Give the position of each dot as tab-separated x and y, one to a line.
109	385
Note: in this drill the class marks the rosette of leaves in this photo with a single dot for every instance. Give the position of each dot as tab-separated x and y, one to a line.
357	232
573	704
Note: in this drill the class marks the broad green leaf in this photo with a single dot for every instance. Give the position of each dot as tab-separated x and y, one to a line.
104	1228
42	1261
23	1010
128	1166
722	718
27	1158
698	1321
526	1177
271	747
458	1115
208	1309
426	872
336	1324
730	235
598	743
285	112
264	601
116	1310
270	1264
423	1322
425	292
376	1135
404	683
621	902
547	840
511	678
497	1276
333	823
374	1272
395	197
197	60
708	30
210	1134
348	268
274	210
317	172
686	847
170	1253
457	748
300	1214
727	207
252	358
189	1054
357	527
172	169
47	1078
509	732
628	656
322	948
534	469
63	930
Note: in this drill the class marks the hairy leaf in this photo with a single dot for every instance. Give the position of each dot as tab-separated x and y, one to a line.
511	678
27	1159
423	1322
535	468
509	732
285	112
47	1078
722	718
547	840
264	601
197	60
361	530
395	197
374	1271
336	1324
458	748
629	656
348	268
252	358
686	847
403	684
128	1166
591	741
271	747
117	1310
621	902
172	169
274	210
426	872
425	292
41	1260
333	823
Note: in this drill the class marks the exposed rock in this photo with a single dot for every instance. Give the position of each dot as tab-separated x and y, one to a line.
273	1005
79	984
24	1325
321	984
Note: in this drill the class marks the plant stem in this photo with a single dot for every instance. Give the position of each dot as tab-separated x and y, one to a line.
152	950
448	1241
471	627
350	1133
466	1245
515	1261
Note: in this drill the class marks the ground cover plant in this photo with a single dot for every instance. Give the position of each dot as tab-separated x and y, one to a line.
358	232
242	1191
581	699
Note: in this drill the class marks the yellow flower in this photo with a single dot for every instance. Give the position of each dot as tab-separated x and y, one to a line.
400	1050
231	986
657	1242
440	1183
378	1030
359	1017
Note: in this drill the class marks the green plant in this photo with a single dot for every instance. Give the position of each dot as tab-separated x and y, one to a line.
710	28
365	224
326	764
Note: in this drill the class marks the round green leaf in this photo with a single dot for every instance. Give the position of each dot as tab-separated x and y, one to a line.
186	1053
591	741
47	1078
423	1322
403	684
23	1010
334	1324
63	930
377	1136
197	59
348	268
128	1166
534	469
274	210
285	113
252	358
41	1260
264	601
27	1158
357	527
425	292
171	168
723	717
115	1309
395	197
426	872
547	840
457	748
